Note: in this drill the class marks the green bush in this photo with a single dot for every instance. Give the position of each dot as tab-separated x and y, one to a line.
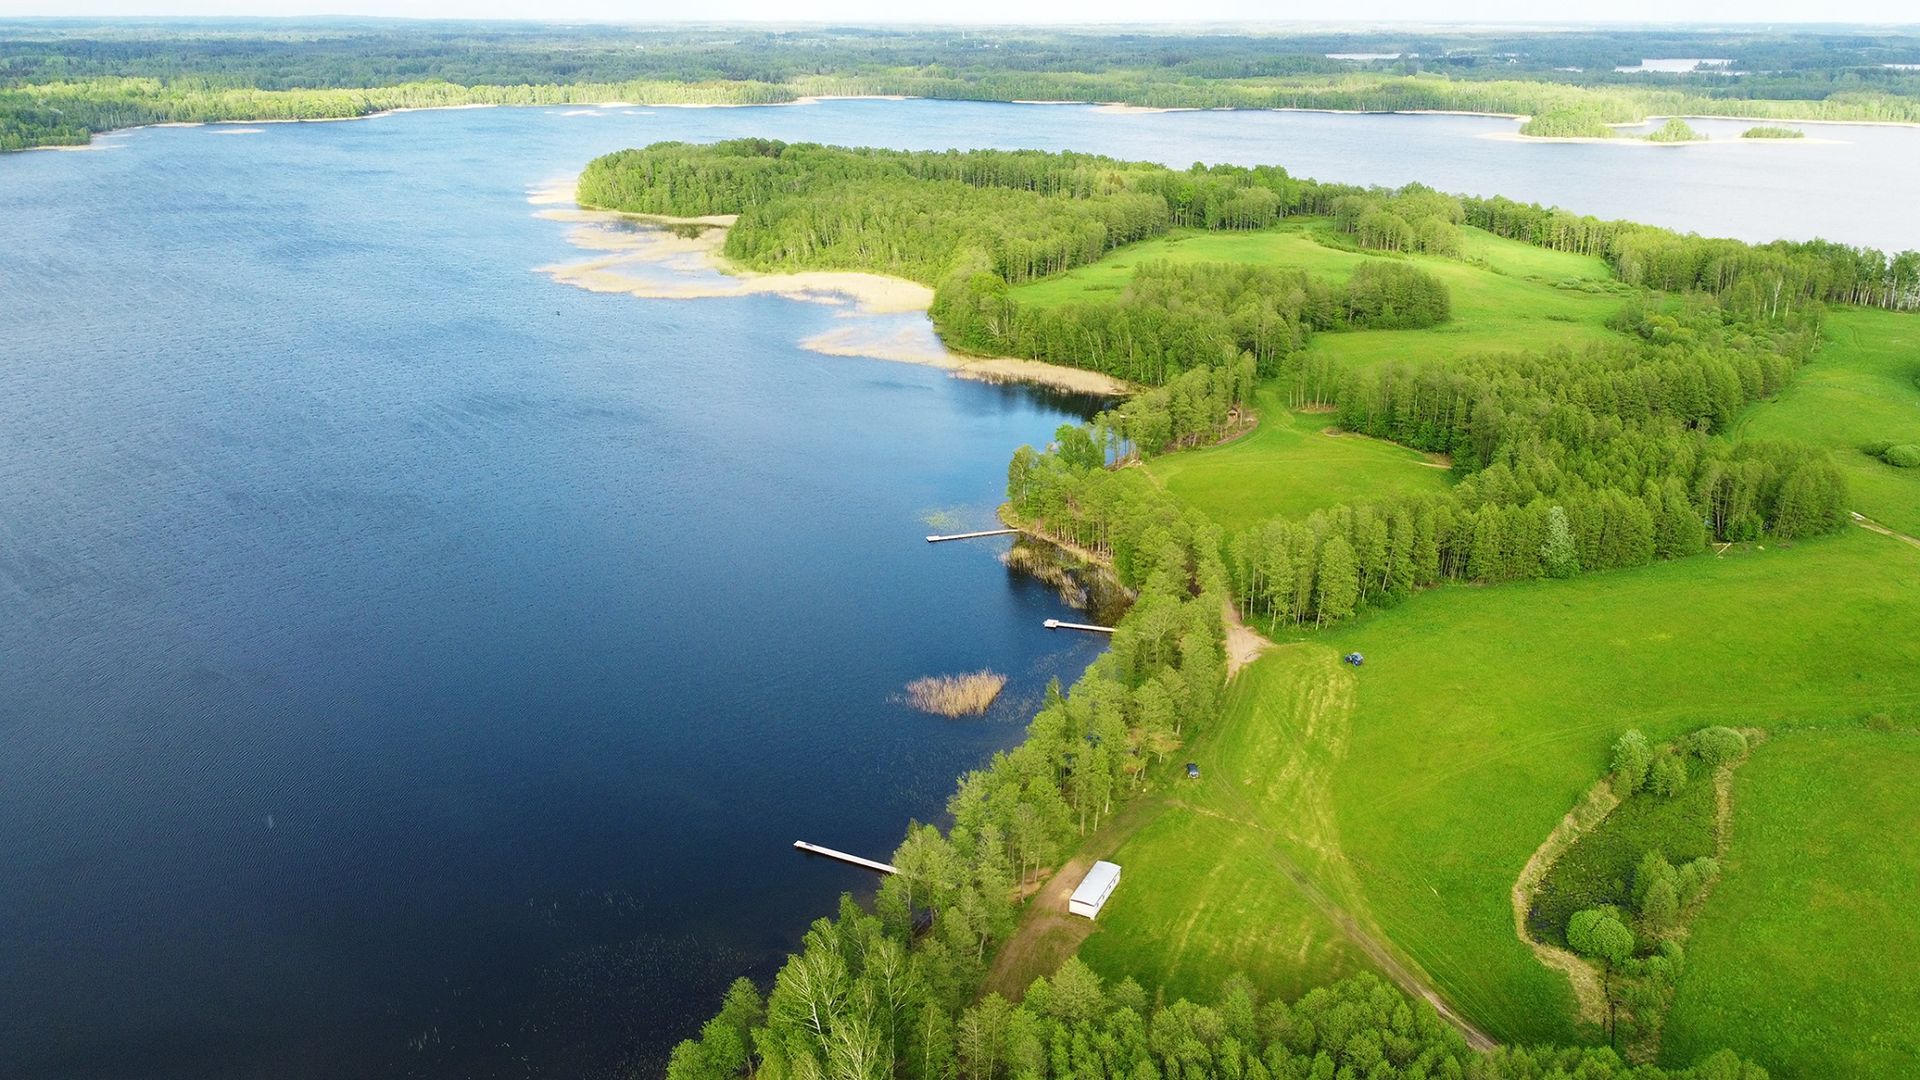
1669	775
1715	745
1902	456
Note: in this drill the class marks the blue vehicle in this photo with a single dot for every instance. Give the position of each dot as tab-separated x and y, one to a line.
1193	771
1354	658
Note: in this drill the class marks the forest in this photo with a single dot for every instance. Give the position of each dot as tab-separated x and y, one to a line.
1594	458
63	79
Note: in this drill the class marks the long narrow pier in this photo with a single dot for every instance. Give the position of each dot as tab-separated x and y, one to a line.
1056	624
971	535
816	849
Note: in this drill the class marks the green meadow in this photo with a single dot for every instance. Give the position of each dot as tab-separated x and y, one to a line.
1506	295
1209	880
1804	958
1409	793
1482	715
1863	386
1292	465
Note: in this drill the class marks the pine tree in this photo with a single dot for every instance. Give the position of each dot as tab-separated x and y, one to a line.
1336	589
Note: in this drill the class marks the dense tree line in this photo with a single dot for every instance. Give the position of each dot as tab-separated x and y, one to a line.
853	1005
884	994
1174	317
1571	462
68	113
1763	279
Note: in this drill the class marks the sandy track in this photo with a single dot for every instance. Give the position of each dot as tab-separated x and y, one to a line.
1871	525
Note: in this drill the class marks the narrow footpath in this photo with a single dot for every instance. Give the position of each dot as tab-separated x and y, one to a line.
1871	525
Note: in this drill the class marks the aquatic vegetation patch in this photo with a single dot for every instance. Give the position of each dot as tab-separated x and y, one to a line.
956	695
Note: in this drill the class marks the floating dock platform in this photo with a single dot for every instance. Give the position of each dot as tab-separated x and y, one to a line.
1056	624
971	535
816	849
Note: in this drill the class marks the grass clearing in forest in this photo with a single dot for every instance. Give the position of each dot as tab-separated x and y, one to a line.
1290	466
1803	959
1863	386
1506	295
1207	887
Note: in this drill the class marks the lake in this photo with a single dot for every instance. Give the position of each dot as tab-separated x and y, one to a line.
412	666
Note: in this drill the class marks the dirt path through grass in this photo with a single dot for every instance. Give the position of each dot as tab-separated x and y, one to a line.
1269	773
1048	933
1871	525
1283	791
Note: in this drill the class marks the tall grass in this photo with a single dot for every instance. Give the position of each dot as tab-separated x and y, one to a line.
956	695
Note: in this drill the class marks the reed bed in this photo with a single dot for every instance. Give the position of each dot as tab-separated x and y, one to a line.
956	695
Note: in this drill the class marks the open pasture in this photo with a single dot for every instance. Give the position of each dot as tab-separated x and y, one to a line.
1862	387
1506	295
1291	466
1804	957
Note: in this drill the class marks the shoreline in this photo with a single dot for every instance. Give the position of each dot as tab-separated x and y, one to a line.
1635	140
672	264
1115	108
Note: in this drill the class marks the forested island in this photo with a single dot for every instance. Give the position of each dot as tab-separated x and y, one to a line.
62	80
1524	396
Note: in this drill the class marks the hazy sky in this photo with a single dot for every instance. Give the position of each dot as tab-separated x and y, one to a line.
1004	11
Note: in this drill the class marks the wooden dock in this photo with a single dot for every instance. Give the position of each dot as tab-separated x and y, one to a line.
1056	624
971	535
816	849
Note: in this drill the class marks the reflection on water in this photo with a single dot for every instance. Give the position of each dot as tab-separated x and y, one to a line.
1086	587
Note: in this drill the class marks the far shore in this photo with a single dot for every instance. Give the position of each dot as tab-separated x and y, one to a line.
1109	107
1635	140
680	264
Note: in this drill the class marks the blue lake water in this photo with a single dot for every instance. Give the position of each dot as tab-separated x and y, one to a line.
411	666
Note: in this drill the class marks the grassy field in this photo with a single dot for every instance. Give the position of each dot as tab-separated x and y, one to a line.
1410	793
1804	958
1863	386
1506	295
1208	887
1484	713
1288	466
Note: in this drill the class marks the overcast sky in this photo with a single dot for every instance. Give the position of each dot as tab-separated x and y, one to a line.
1008	11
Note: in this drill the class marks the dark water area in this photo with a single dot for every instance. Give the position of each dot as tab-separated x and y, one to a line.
413	667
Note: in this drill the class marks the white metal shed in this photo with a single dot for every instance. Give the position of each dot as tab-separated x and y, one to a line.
1094	889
